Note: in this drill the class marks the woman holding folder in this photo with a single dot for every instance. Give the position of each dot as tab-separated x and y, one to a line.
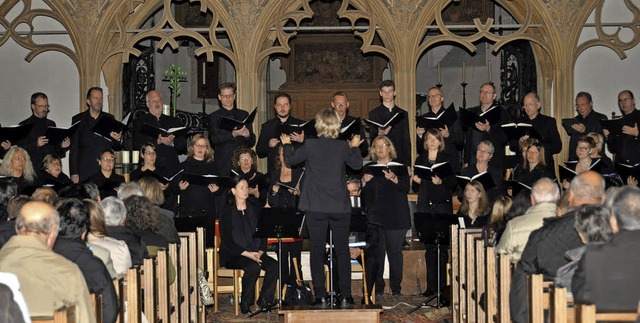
534	167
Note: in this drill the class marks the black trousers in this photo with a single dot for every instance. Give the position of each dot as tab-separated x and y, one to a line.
374	259
251	274
290	250
431	253
317	225
393	239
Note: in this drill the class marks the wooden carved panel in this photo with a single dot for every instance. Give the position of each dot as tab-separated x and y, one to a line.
464	11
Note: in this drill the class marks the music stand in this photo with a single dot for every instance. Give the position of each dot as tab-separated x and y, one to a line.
280	223
433	228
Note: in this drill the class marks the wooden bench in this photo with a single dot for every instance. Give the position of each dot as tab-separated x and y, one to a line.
358	313
66	314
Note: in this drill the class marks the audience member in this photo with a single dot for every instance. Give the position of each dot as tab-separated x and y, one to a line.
115	214
45	194
8	227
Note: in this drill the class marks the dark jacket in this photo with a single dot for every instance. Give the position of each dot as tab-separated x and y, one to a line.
7	230
223	142
256	180
607	274
399	134
548	130
495	135
284	198
47	179
105	184
94	271
151	239
431	195
526	177
387	202
86	146
451	143
268	131
30	144
364	147
543	254
626	147
324	189
197	200
167	156
137	247
236	232
591	123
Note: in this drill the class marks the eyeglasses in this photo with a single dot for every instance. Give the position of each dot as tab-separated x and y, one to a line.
624	99
43	106
107	160
581	148
229	96
150	153
155	101
200	146
381	145
433	96
487	92
245	158
19	158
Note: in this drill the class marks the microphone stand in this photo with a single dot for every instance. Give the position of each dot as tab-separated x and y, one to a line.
438	294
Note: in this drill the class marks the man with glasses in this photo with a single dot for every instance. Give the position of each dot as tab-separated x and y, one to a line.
398	133
585	122
544	125
626	146
486	130
340	104
225	142
167	147
36	143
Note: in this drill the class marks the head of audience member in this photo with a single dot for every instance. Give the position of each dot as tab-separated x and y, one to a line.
95	99
433	140
626	102
152	190
129	189
435	97
40	105
40	220
382	150
474	198
487	94
107	161
8	190
200	148
584	104
114	210
17	163
544	190
45	194
626	209
531	105
282	105
15	206
535	156
327	123
521	203
387	92
501	206
52	164
244	159
586	188
484	152
74	219
340	104
141	215
563	205
97	225
149	156
92	190
585	147
155	103
354	186
598	139
592	223
227	95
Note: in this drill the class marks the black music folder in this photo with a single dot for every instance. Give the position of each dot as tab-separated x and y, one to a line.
349	131
516	187
391	122
154	131
308	127
376	169
441	170
468	118
56	135
566	172
614	126
162	179
205	180
484	178
518	130
567	123
626	170
15	133
230	124
444	118
105	126
434	228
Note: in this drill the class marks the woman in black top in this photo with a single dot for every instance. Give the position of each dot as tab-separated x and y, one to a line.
240	250
585	146
281	195
324	197
484	153
17	167
106	179
534	167
52	172
475	208
386	200
244	164
148	167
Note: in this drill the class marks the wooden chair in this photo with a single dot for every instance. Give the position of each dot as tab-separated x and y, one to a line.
589	314
174	288
462	260
558	307
132	294
66	314
481	282
221	272
454	260
162	287
96	304
187	279
536	298
118	285
149	289
469	313
200	263
504	284
357	267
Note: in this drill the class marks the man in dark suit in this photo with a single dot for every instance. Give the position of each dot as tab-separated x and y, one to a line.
626	146
225	142
268	141
545	126
167	147
86	146
340	103
36	143
587	121
398	133
607	274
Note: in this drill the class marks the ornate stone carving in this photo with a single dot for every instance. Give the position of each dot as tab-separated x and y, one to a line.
564	12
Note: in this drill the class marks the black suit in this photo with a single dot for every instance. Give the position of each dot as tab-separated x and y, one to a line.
269	131
607	274
592	124
399	133
626	147
87	146
364	147
223	142
30	144
167	156
495	135
547	128
325	199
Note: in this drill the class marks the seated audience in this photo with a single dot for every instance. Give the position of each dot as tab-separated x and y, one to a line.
152	189
45	194
48	281
115	214
474	209
142	219
497	221
17	167
544	195
8	226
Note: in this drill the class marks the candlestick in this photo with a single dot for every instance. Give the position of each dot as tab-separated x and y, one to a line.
125	156
204	73
135	158
438	74
463	67
489	70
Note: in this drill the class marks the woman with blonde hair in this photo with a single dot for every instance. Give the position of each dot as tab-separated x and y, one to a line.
497	221
534	167
17	167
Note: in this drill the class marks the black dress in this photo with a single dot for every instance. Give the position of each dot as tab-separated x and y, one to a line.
107	186
255	179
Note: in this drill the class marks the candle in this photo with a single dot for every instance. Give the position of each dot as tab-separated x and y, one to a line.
489	70
125	156
463	67
135	158
204	73
166	109
438	74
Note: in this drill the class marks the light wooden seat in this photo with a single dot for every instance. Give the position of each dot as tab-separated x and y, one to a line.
491	285
200	263
504	284
132	295
162	287
174	288
454	260
536	298
96	304
149	289
187	278
66	314
589	314
118	285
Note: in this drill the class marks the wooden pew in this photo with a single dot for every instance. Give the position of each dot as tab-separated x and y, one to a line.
133	295
118	285
66	314
481	281
558	307
504	284
162	275
589	314
96	304
462	247
536	298
174	293
469	314
455	272
187	279
149	289
491	285
201	261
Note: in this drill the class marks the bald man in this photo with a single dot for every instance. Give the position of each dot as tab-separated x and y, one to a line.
48	280
545	250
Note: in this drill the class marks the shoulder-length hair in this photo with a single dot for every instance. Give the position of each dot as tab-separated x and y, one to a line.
278	164
392	150
97	225
152	189
541	159
6	169
235	161
48	160
483	203
141	214
328	123
436	133
208	155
